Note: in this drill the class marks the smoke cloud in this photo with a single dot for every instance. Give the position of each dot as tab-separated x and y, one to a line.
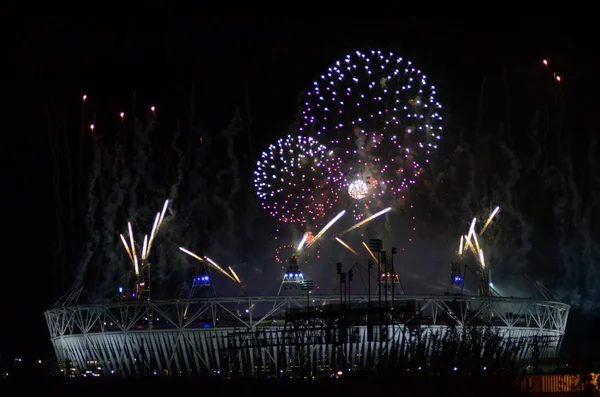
129	173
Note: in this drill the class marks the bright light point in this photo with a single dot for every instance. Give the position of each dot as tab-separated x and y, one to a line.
491	285
122	114
358	189
92	127
152	108
84	97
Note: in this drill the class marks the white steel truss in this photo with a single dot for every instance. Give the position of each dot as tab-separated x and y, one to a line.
249	334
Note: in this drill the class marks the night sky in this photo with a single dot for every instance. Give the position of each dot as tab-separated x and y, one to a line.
260	69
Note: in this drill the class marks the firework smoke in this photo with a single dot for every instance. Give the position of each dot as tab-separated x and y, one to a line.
127	180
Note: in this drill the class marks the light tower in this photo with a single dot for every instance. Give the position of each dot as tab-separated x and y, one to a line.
202	282
483	281
456	277
389	279
293	278
142	286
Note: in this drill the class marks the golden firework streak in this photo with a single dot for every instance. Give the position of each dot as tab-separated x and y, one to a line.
327	226
303	241
487	223
237	279
476	242
347	246
359	224
190	253
235	276
471	230
210	261
145	247
370	252
220	269
135	261
127	248
162	214
153	233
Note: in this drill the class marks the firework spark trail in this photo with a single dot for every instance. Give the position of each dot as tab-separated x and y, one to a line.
302	242
190	253
111	208
80	180
93	200
127	249
581	218
54	150
72	210
214	264
222	196
154	229
369	219
339	240
370	252
566	249
148	177
198	187
588	257
188	144
512	207
180	164
470	191
489	220
594	166
237	279
325	228
230	134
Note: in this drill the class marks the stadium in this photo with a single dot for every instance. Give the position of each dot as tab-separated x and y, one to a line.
297	335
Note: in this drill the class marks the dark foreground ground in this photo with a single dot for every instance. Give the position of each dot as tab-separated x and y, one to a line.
360	385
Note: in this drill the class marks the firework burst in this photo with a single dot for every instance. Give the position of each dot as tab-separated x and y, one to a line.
383	118
297	180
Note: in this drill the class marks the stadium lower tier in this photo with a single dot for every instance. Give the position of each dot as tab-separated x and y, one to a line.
281	335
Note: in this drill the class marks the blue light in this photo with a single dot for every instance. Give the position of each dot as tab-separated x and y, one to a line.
201	281
458	279
120	290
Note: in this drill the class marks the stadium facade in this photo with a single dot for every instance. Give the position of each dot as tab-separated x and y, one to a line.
309	335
